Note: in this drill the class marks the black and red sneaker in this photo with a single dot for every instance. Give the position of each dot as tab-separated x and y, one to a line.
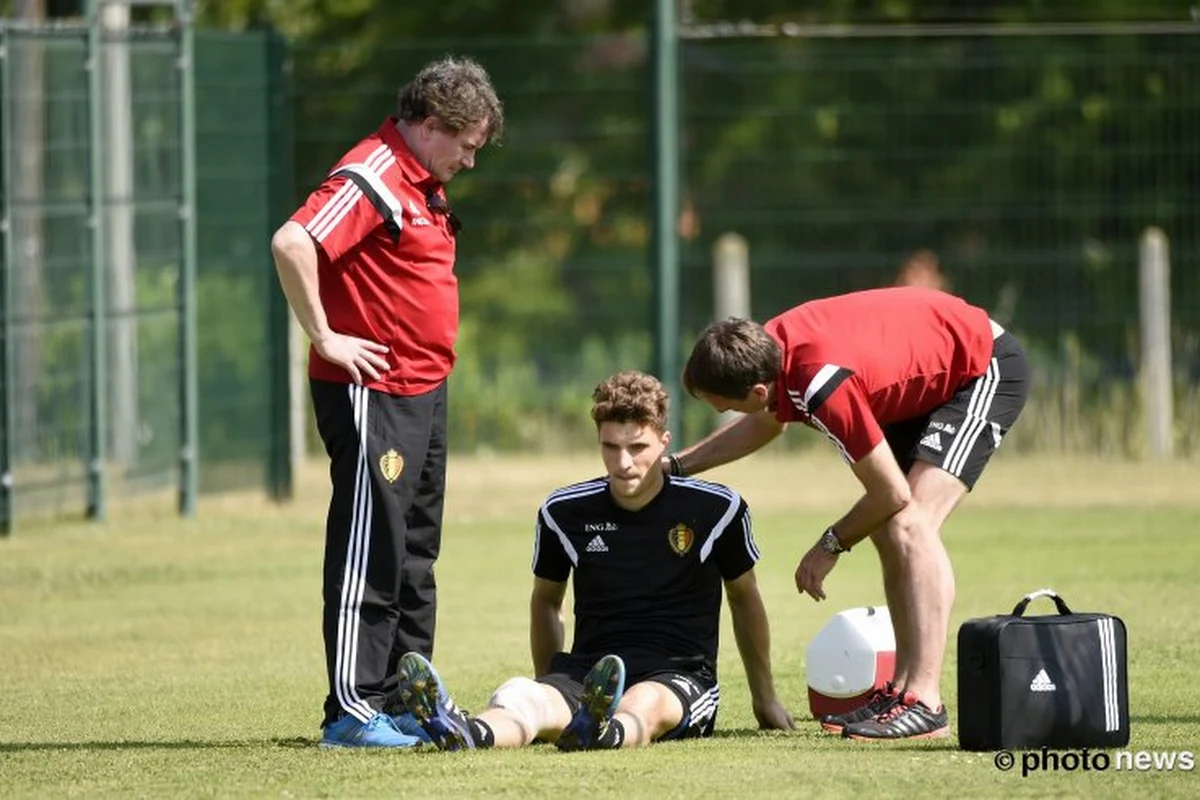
882	699
908	718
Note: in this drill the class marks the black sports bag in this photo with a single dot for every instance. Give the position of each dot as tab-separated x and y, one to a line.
1056	681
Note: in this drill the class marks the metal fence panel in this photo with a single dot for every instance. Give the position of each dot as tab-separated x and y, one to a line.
95	207
46	212
242	337
144	367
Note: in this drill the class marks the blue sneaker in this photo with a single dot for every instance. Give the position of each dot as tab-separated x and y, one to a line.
410	726
602	691
423	694
378	731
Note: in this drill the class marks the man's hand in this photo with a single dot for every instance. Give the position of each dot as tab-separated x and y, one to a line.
357	356
774	717
810	575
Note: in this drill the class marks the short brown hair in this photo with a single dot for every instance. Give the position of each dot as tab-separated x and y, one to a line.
730	357
458	92
631	396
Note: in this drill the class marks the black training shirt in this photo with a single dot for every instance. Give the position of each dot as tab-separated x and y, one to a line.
647	583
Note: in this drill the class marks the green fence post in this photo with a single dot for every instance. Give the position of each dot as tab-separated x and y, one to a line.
280	477
666	204
189	450
97	390
7	352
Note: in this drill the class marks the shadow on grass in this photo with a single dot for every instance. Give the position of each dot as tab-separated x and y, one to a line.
1163	719
814	733
756	733
186	744
949	744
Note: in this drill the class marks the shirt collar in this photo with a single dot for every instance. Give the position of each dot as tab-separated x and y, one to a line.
410	167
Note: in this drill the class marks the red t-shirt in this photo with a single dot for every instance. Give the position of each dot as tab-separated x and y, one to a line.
856	362
386	271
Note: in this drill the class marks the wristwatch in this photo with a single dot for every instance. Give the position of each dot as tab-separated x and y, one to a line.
830	543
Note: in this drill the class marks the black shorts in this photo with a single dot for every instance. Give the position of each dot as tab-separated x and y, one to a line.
697	689
961	435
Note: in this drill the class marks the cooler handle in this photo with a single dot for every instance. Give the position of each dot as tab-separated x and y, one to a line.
1019	609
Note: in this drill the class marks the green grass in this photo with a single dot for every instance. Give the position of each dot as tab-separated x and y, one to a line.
150	657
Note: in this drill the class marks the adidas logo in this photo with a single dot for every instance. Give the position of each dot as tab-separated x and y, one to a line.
597	545
1042	683
933	441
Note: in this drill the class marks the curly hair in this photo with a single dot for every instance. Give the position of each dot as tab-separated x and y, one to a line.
730	357
631	396
458	92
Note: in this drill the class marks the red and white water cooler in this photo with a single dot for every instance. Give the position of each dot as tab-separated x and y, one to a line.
854	654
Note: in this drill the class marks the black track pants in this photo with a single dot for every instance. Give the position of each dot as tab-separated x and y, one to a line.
388	469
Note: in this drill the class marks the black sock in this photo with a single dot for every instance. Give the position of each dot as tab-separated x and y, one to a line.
613	736
481	733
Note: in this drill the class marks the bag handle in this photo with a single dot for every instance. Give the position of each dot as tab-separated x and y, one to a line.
1019	609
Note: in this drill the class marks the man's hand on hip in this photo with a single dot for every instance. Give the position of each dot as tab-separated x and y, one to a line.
359	357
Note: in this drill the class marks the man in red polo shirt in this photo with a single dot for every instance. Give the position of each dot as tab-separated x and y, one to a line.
367	264
915	388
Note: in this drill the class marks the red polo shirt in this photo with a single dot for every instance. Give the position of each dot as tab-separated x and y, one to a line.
385	262
858	361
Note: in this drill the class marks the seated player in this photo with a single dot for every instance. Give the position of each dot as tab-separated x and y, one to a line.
650	554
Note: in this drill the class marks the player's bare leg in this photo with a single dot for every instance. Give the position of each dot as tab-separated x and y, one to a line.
892	578
523	710
647	711
922	579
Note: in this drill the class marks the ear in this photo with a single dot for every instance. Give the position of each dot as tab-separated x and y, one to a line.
760	391
666	440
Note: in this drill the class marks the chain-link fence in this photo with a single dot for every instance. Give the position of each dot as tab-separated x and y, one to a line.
104	364
92	198
244	190
1024	167
47	282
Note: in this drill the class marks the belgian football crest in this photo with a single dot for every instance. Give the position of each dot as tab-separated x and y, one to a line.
680	538
391	464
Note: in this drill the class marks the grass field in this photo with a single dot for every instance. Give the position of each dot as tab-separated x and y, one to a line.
150	657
